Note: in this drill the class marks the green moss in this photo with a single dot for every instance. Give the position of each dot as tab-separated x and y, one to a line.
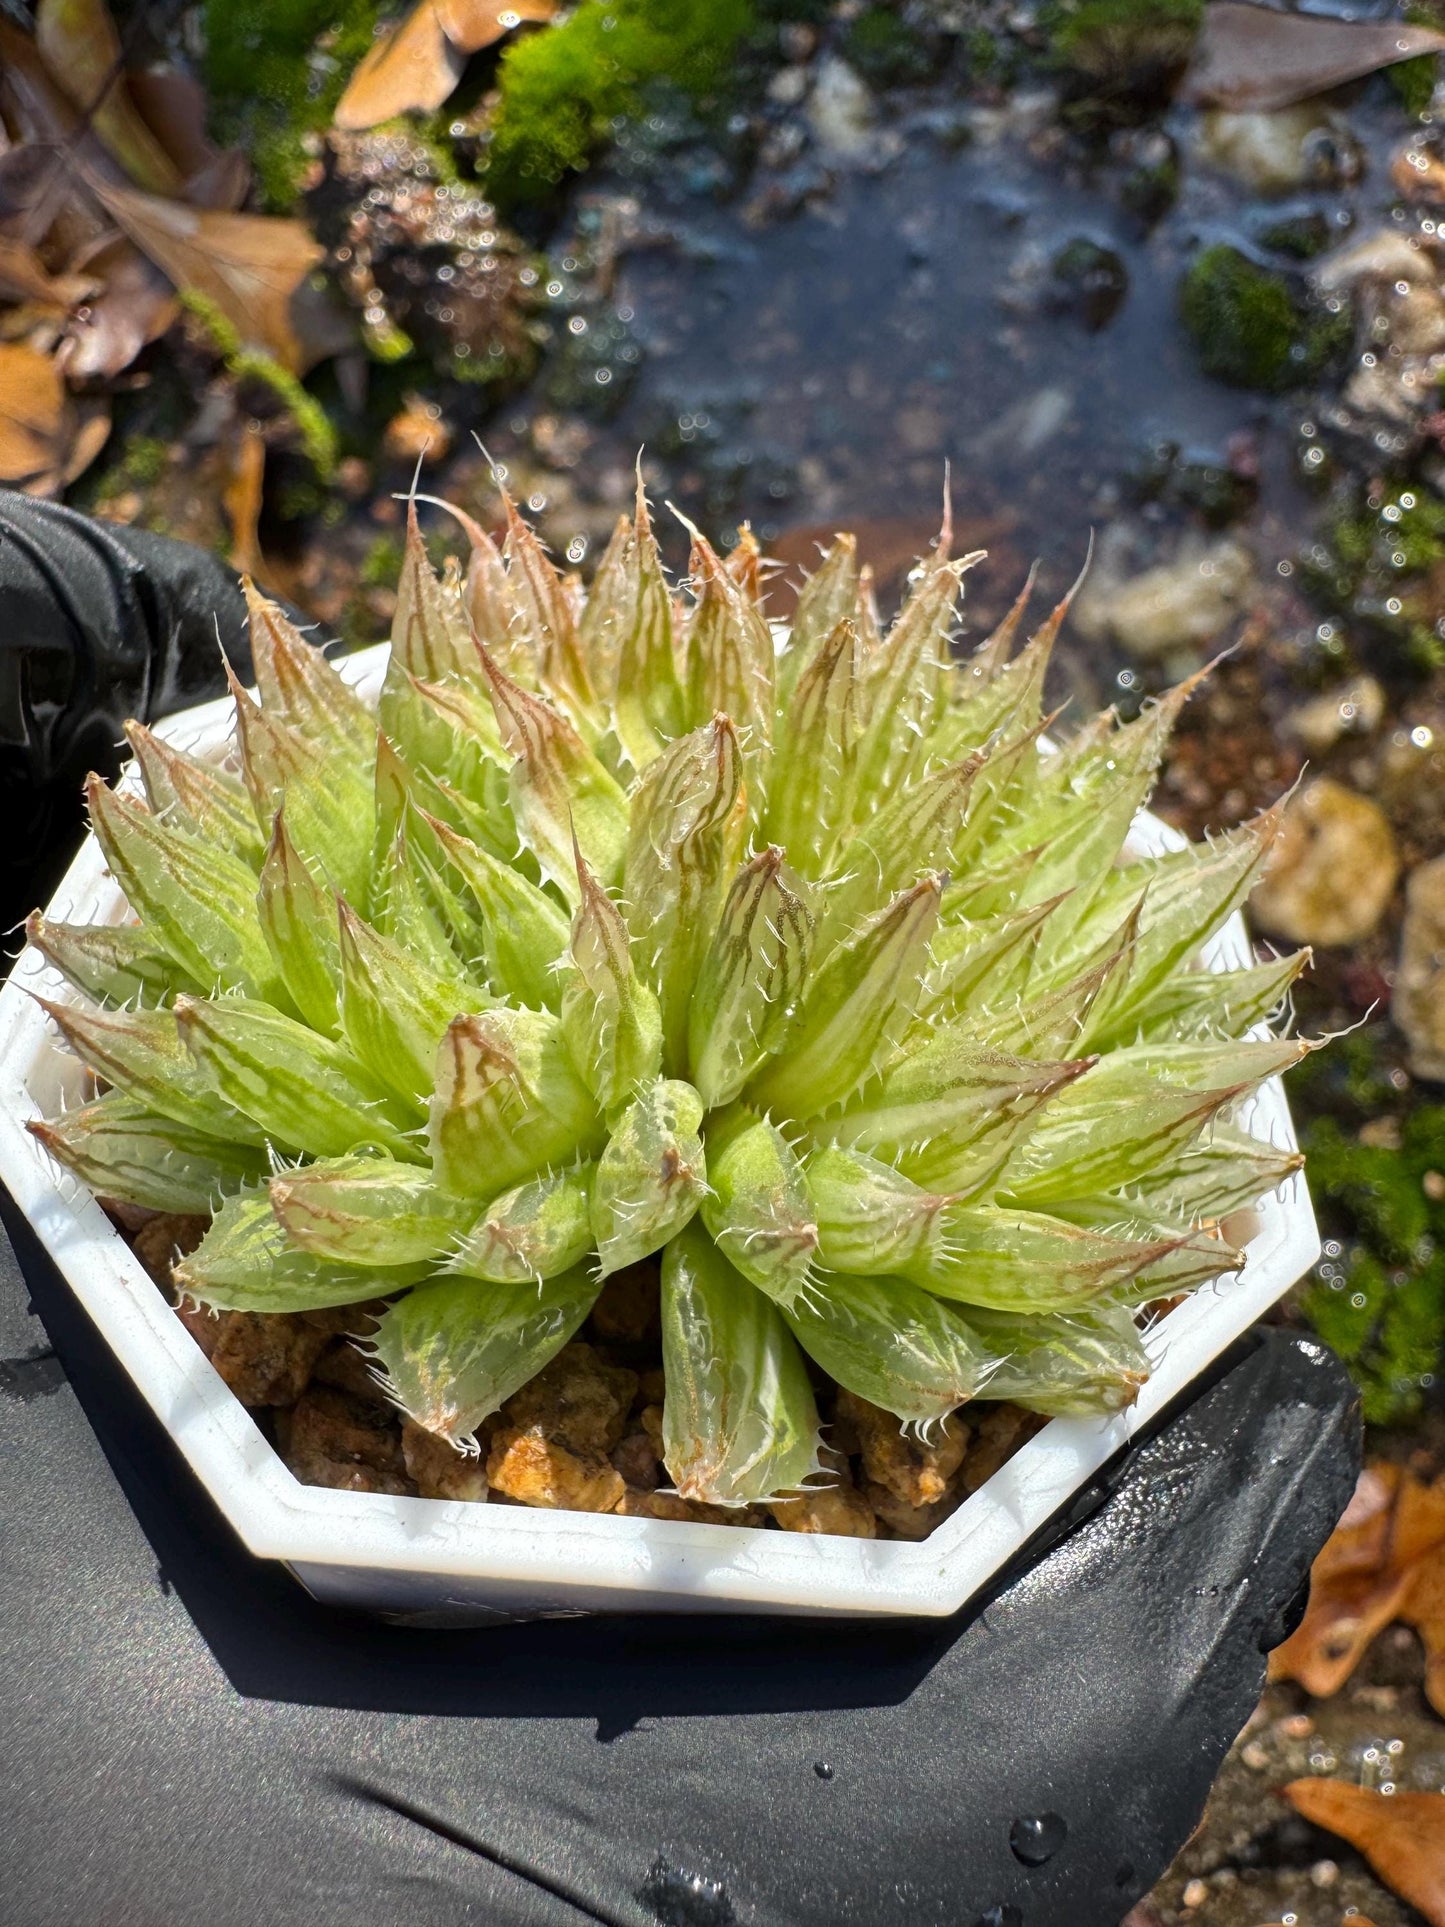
144	461
1121	54
560	91
1414	80
1250	328
1378	1296
275	70
886	50
1377	562
382	563
318	437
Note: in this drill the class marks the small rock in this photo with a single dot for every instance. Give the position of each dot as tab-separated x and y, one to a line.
1088	281
788	86
1418	1004
1433	1185
1333	870
1274	153
1180	605
1195	1894
1355	708
840	111
1255	1756
1324	1873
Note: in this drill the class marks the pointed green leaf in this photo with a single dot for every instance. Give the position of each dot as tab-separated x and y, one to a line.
196	796
687	815
870	1218
196	898
729	657
854	1009
454	1351
1082	1365
751	979
298	919
115	963
1025	1261
757	1208
367	1211
827	598
948	1114
524	934
739	1423
891	1343
508	1103
905	686
810	796
651	1177
429	632
914	831
127	1151
545	614
141	1053
299	686
648	707
305	1092
611	1019
245	1262
536	1230
559	790
395	1008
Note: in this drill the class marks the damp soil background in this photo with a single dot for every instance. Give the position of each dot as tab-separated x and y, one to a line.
994	237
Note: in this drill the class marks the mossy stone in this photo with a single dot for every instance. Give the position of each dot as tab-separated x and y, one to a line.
1250	328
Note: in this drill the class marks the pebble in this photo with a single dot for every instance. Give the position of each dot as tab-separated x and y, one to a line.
1324	1873
1418	1004
1355	708
840	111
1333	869
1181	605
1273	153
1195	1894
1255	1756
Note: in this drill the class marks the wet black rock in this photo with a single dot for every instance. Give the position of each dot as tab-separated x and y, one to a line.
1088	281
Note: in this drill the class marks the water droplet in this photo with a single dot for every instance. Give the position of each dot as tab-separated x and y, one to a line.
1037	1837
822	1769
1006	1915
678	1898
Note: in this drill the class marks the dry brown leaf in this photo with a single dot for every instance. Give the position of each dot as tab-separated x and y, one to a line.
1402	1835
46	439
136	304
250	265
1257	57
81	49
241	499
173	106
24	277
1384	1561
474	24
414	68
411	69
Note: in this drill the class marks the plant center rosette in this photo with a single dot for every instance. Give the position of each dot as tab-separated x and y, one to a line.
625	929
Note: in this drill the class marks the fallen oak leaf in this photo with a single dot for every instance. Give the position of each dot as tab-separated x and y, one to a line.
46	439
474	24
24	277
1402	1835
416	65
250	266
1258	58
1355	1591
411	69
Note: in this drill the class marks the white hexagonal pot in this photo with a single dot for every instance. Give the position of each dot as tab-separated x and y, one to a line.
437	1561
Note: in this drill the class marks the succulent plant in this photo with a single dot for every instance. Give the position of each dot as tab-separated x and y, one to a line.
623	927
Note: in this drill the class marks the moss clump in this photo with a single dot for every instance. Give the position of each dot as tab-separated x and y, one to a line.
1379	1294
275	70
1378	562
313	426
560	92
1250	328
886	50
1122	54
